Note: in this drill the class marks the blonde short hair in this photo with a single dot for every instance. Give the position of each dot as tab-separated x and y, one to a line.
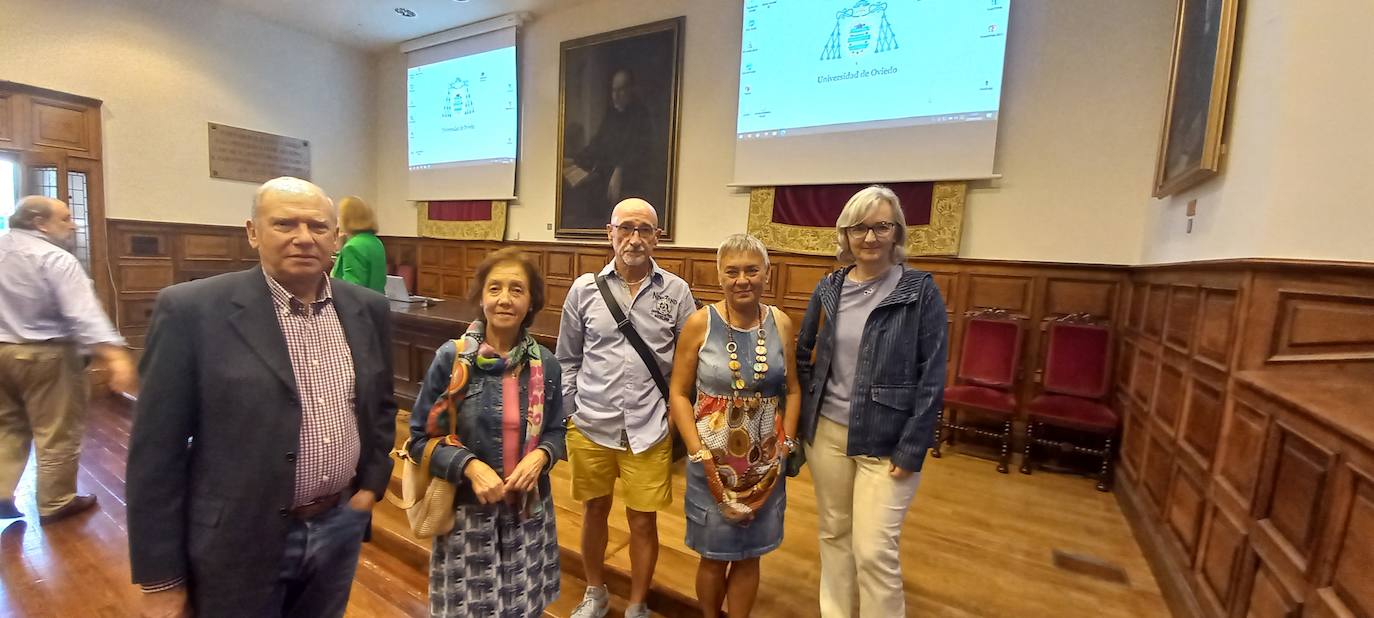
742	243
356	216
858	208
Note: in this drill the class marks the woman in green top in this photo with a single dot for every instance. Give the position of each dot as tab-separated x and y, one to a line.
362	260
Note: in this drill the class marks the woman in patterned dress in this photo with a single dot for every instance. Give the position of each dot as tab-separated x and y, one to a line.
733	356
501	558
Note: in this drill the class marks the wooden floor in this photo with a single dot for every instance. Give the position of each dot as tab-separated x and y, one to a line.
976	543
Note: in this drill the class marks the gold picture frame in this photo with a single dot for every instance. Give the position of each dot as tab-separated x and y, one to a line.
1190	143
619	104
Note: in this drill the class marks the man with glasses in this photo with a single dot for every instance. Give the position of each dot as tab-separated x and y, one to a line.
619	419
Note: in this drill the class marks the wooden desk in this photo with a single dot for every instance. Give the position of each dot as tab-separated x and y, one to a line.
418	331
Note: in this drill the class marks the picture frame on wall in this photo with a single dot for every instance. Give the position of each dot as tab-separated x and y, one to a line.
619	99
1190	145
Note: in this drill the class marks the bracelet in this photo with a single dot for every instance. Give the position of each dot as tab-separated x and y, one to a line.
699	456
790	443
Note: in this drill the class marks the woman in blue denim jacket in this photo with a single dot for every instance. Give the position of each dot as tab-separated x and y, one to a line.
501	558
871	360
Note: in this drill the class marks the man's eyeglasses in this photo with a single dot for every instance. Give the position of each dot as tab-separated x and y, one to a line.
881	229
644	231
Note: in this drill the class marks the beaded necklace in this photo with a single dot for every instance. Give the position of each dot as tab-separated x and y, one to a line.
760	353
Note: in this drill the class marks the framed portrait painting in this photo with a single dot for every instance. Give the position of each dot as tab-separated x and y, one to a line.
1195	113
618	107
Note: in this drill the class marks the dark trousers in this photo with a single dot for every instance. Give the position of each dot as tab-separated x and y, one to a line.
321	557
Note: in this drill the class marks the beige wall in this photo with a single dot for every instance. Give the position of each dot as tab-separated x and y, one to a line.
164	68
1300	165
1081	115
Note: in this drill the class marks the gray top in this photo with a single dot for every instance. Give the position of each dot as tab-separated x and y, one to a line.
857	301
607	390
46	296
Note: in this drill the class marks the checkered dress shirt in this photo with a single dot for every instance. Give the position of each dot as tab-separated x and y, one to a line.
323	366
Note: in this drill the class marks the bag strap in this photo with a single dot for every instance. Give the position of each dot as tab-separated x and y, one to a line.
622	322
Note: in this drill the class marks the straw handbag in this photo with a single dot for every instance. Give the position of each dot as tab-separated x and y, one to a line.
426	499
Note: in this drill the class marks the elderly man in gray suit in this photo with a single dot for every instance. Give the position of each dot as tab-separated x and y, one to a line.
263	429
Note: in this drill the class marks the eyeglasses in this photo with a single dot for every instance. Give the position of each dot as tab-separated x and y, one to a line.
644	231
881	229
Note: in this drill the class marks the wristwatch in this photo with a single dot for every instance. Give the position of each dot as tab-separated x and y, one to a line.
699	456
790	443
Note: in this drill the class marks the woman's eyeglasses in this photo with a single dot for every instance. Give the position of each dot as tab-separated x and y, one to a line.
881	229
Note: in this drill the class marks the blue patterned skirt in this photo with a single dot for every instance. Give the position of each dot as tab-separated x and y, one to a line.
494	565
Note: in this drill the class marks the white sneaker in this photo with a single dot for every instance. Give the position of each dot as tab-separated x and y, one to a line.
595	603
640	610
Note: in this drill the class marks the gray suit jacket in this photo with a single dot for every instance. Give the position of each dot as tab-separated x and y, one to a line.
212	453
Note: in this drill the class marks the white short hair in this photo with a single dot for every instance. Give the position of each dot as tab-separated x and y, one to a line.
858	208
742	243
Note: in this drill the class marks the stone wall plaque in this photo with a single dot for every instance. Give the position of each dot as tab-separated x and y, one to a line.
254	156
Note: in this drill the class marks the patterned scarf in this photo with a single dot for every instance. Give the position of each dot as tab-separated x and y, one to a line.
474	353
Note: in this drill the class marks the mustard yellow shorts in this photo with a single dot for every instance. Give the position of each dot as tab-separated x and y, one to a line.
645	477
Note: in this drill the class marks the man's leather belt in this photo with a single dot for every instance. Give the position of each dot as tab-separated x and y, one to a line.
317	506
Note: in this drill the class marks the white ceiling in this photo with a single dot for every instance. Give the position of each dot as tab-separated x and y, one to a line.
374	24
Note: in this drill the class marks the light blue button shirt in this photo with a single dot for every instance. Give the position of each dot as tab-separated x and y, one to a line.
46	296
610	393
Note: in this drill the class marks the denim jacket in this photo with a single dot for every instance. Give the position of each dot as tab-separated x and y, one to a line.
899	377
479	421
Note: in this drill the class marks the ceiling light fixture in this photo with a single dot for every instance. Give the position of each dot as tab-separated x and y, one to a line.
404	12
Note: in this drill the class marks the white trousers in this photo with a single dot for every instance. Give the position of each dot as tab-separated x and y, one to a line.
860	509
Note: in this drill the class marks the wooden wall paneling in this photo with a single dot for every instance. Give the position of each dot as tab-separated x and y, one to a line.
7	118
1158	468
678	266
1125	364
987	291
431	255
1346	583
799	280
1135	440
1295	494
1269	597
452	285
1146	368
218	247
60	124
1181	317
1242	446
702	278
1218	316
429	283
1065	296
451	258
1169	392
1140	292
1185	507
1155	309
1220	560
560	264
145	277
472	255
591	262
1324	327
1203	413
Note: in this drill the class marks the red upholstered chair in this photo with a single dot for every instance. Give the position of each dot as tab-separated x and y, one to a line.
407	273
1076	378
988	361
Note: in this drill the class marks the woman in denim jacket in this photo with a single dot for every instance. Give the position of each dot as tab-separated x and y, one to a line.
871	360
501	558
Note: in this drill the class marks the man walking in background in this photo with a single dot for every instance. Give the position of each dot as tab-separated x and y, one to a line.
48	312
